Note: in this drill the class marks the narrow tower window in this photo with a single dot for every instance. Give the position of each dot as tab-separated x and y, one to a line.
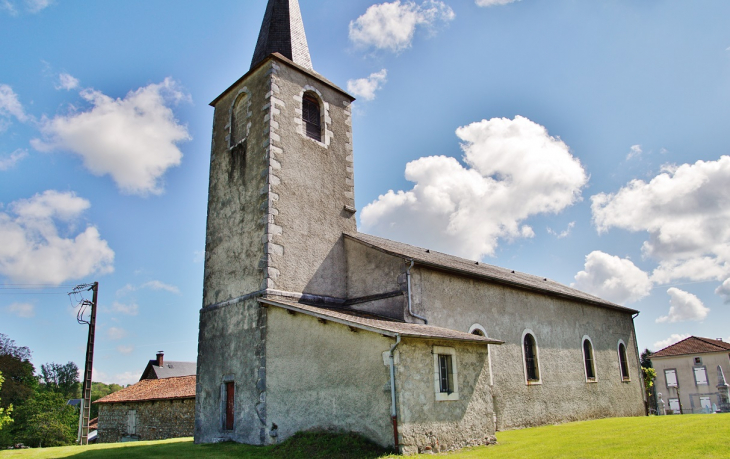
531	367
238	120
311	117
588	359
623	362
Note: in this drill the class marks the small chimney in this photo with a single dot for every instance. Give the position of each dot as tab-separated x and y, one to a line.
160	358
719	339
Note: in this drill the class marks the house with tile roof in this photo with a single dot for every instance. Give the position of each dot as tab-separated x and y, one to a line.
152	409
159	368
692	375
309	324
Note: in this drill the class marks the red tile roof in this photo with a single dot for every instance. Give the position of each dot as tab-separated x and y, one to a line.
693	345
154	389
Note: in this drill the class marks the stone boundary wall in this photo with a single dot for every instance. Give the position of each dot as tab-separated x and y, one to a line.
155	420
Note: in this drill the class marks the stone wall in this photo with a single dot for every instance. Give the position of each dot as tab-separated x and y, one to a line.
156	420
559	326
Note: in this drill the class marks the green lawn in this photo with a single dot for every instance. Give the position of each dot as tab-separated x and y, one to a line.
688	436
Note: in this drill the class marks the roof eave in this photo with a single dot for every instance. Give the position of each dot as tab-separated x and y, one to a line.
283	59
379	331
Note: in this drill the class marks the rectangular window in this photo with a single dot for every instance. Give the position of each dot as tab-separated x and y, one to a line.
446	381
674	405
701	376
446	375
671	377
698	360
229	405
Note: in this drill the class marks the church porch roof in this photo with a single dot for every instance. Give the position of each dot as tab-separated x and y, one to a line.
470	268
380	326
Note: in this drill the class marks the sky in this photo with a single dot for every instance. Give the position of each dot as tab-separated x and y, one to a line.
587	142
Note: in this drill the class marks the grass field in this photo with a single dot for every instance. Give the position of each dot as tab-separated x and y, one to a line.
688	436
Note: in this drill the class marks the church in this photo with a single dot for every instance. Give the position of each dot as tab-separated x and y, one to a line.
309	324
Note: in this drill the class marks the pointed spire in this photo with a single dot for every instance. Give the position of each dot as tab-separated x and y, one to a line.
283	32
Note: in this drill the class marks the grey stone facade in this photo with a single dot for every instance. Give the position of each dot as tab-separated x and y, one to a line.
149	420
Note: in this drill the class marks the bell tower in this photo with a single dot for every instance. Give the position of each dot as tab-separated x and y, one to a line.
281	194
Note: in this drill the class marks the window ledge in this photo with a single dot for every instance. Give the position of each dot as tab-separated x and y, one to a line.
592	381
443	397
534	383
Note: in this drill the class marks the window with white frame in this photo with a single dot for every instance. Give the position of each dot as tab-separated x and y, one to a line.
531	358
701	376
671	377
588	360
446	381
706	404
674	405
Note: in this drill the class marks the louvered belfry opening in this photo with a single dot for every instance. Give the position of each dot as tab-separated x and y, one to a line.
531	358
311	117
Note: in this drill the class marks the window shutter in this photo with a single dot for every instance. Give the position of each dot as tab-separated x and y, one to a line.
700	376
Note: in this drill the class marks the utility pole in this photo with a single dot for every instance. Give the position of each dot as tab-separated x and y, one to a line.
83	437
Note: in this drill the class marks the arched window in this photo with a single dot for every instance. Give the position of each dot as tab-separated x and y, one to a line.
532	368
623	361
311	116
239	128
590	365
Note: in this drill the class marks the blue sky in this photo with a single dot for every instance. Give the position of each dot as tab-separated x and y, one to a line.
581	141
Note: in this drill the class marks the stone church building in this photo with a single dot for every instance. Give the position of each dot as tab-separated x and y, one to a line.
308	324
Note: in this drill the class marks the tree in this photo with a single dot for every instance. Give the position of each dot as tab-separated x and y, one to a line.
61	379
46	420
4	412
20	382
646	359
99	390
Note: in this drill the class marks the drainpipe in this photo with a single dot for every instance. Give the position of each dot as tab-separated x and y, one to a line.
410	301
393	409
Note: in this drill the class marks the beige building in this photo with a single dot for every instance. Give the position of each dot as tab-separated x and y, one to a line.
308	324
691	375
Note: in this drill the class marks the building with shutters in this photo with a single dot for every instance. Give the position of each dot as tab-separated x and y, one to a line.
691	375
309	324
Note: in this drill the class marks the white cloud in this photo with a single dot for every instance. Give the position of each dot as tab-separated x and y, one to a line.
562	234
35	6
153	285
115	333
636	151
198	256
32	249
392	25
612	278
494	2
684	307
675	338
24	310
157	285
10	161
67	82
128	377
685	211
132	139
131	309
366	87
724	290
8	6
514	169
10	105
126	350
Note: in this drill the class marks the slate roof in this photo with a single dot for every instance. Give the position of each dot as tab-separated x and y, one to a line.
282	31
693	345
471	268
380	326
169	369
154	389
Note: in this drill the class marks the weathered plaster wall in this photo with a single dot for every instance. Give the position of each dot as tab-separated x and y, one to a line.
559	326
425	422
324	376
313	182
370	271
156	420
690	391
231	347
